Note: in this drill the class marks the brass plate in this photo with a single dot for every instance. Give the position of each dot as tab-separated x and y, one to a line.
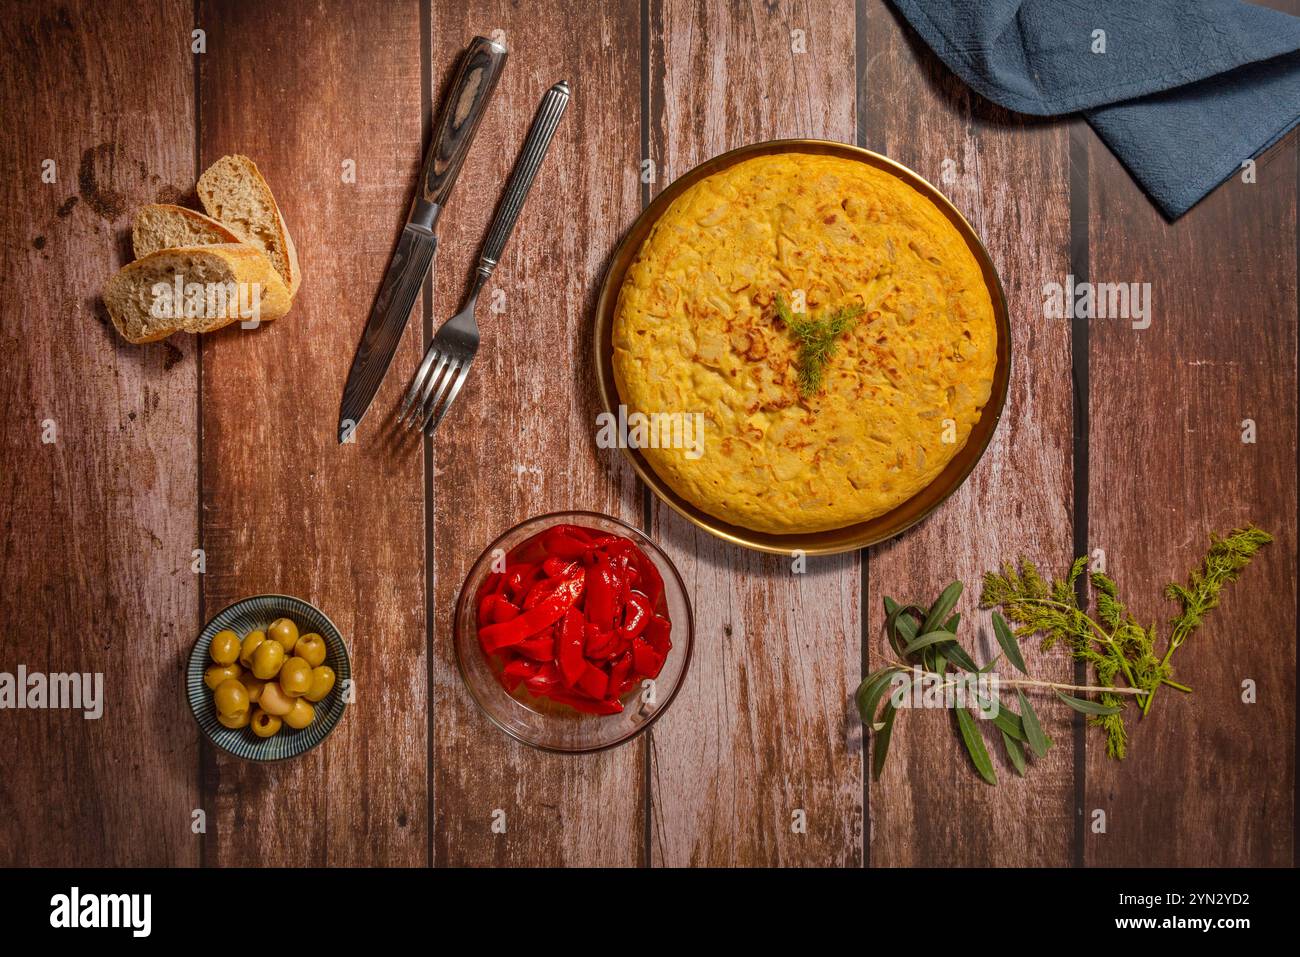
860	534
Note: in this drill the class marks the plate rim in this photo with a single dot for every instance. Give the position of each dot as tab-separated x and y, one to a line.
845	538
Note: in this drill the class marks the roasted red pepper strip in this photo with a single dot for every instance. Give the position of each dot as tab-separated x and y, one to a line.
550	610
559	542
597	641
610	645
618	673
602	596
545	681
657	632
647	661
539	591
541	648
569	653
519	668
636	615
593	682
495	609
559	568
648	577
518	580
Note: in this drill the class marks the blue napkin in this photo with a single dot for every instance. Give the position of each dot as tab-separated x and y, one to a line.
1184	92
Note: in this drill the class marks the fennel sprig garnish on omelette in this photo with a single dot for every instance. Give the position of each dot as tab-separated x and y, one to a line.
817	339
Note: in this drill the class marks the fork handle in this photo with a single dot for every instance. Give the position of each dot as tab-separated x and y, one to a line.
521	178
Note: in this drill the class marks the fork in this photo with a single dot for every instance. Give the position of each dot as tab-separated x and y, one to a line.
446	363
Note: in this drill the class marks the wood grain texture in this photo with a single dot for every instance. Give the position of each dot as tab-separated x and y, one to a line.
520	440
761	728
1209	780
229	445
99	524
301	88
1009	176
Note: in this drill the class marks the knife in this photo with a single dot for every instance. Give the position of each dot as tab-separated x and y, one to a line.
458	121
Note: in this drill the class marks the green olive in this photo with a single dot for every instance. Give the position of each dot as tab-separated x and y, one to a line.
265	724
224	647
231	698
251	642
322	683
295	677
253	685
274	700
300	715
285	632
216	674
237	721
267	659
312	647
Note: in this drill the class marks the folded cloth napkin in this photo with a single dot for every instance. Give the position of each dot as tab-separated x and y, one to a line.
1182	91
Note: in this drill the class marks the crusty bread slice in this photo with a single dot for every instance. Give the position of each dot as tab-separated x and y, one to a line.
141	300
162	226
233	191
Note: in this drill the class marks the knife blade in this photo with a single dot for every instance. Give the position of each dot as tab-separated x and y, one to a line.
458	121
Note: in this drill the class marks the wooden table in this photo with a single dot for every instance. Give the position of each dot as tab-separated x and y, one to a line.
1129	441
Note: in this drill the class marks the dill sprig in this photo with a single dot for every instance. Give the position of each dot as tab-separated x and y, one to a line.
1115	644
1223	564
817	340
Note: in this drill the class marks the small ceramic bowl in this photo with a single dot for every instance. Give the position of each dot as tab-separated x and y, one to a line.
546	724
254	614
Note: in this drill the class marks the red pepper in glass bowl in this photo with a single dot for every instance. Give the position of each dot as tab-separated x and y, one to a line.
573	632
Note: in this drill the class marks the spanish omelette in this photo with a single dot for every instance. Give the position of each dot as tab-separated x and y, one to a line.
698	328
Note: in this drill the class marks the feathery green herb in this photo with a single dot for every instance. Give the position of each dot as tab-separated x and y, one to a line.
817	340
1120	650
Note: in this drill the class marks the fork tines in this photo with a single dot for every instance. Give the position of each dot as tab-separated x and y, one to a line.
439	377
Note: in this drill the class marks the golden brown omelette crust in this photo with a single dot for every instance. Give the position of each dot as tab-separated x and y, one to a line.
696	330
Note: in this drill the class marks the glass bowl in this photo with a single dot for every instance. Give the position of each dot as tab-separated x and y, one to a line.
549	725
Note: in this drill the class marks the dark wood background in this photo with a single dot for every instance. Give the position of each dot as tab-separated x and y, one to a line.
1113	438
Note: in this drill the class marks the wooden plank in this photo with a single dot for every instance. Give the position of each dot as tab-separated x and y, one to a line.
1209	781
99	524
1009	176
760	728
520	440
302	89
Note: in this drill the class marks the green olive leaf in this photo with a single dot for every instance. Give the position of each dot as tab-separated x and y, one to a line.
1016	752
870	692
970	735
1008	642
880	743
927	639
1088	707
1038	742
942	607
958	656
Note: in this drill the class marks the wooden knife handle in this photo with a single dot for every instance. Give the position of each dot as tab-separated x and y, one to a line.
458	121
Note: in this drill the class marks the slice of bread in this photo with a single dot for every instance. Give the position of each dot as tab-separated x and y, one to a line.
233	191
142	299
160	226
